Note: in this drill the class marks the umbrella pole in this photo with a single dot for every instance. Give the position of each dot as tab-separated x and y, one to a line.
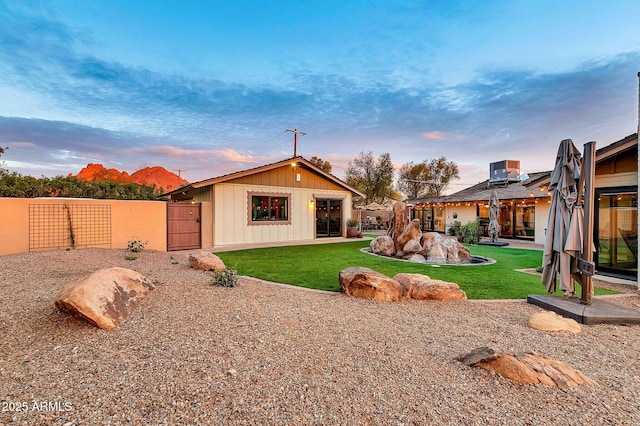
587	241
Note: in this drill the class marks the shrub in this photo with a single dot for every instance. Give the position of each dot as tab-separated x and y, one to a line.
225	278
456	228
351	223
471	232
136	245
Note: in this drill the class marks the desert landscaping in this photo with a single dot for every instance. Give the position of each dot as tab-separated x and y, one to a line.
265	353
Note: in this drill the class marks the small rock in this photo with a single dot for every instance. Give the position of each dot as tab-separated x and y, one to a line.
206	261
526	367
232	372
551	321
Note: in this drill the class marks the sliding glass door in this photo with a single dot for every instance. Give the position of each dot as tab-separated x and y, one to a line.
616	230
328	218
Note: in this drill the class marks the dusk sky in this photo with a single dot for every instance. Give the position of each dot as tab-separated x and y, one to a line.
209	87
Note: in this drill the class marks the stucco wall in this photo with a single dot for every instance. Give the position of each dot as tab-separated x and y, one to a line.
144	220
231	214
465	214
542	217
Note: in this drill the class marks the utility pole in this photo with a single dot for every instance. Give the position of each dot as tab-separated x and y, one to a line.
179	171
295	138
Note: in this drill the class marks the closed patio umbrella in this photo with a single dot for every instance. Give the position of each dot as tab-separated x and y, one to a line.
494	211
563	241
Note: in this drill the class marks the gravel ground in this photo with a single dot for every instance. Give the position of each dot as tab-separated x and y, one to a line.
264	353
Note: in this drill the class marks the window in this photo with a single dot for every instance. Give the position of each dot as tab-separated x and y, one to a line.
269	208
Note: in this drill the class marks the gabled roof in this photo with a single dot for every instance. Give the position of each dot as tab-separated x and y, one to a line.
267	167
482	192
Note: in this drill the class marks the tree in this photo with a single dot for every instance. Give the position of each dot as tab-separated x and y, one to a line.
439	175
324	165
427	179
412	181
3	171
374	178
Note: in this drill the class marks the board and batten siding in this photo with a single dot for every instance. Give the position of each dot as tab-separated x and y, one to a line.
231	213
619	179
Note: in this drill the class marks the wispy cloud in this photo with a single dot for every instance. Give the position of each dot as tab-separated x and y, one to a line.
434	135
89	109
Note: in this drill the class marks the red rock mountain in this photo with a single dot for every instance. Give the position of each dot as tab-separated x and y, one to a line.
158	176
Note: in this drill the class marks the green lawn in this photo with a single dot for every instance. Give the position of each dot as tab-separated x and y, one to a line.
317	266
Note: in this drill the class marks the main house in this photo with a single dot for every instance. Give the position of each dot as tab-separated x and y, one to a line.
525	200
290	200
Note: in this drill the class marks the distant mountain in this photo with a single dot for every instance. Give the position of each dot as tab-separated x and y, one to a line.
156	175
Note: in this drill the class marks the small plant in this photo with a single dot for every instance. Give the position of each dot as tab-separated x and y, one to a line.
225	278
136	245
72	236
471	232
129	257
456	228
352	223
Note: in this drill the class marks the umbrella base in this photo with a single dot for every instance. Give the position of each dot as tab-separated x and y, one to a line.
599	312
491	243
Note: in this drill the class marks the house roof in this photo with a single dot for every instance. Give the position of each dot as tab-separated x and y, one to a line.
482	192
524	189
300	161
602	154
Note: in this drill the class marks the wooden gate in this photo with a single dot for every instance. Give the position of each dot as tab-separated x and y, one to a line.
183	226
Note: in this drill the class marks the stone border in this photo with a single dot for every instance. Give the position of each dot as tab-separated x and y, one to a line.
488	260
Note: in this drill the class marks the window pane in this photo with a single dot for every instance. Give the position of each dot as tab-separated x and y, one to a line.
282	207
269	208
260	208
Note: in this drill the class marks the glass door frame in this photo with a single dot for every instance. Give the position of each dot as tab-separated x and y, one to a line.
331	223
611	192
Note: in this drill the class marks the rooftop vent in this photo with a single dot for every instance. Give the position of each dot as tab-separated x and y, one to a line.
504	171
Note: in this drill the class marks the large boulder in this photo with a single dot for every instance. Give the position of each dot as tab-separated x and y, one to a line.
437	253
550	321
382	245
106	297
428	240
456	252
399	221
369	284
411	247
416	258
206	261
526	367
410	232
421	287
438	249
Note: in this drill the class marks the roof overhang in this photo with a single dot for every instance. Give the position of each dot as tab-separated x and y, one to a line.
294	161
